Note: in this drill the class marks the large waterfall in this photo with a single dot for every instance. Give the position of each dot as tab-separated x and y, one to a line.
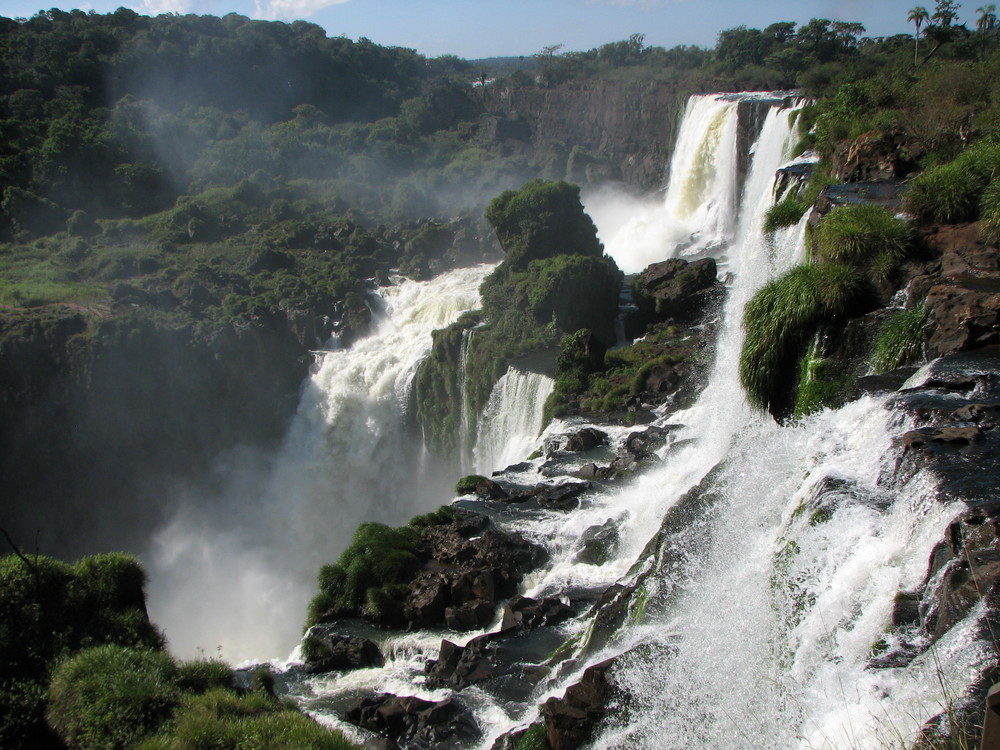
232	573
779	549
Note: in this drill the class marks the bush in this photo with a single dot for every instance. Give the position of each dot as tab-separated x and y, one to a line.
202	675
222	720
378	556
989	210
781	318
952	192
901	340
859	234
785	213
111	696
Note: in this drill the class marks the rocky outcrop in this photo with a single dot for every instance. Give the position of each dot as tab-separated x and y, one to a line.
570	721
620	131
414	723
963	299
470	567
326	650
676	289
876	156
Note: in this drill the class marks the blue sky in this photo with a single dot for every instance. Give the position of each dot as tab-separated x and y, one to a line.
484	28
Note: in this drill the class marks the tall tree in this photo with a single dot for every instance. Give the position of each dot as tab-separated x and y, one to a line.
918	17
987	20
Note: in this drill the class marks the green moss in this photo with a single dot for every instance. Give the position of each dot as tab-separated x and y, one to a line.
534	739
467	485
901	339
821	384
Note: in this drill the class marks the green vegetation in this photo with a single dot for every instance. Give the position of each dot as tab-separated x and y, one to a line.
901	340
554	281
785	213
112	697
468	484
108	697
782	317
534	739
858	234
820	384
369	575
49	610
955	191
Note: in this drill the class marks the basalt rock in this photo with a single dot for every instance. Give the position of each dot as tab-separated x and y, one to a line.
676	289
414	723
570	721
876	157
586	439
331	652
470	567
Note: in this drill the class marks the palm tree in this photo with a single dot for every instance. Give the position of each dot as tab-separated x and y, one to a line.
917	16
987	20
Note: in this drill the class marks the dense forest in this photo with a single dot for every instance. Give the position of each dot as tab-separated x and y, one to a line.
168	182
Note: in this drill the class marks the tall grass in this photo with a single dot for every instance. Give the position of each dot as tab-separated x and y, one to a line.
781	318
859	234
900	341
952	192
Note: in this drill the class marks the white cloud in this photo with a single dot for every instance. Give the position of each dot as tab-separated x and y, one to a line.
284	10
157	7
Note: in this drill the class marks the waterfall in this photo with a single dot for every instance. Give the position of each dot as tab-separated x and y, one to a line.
512	420
231	573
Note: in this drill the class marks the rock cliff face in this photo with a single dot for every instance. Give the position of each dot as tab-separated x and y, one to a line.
113	414
592	131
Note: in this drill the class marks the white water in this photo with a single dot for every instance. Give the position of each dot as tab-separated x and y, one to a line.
758	632
762	624
698	210
231	574
511	421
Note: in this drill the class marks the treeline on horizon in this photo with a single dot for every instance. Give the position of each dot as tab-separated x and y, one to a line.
124	136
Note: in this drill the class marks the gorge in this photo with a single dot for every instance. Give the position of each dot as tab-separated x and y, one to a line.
654	540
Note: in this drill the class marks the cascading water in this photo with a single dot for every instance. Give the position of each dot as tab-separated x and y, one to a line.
348	458
512	420
756	614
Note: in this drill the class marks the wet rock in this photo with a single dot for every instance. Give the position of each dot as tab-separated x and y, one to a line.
570	721
952	435
964	569
599	543
586	439
522	612
676	289
416	723
327	651
469	615
562	496
471	566
457	667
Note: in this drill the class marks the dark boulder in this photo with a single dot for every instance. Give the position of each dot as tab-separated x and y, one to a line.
416	723
570	721
676	289
586	439
522	613
326	651
599	543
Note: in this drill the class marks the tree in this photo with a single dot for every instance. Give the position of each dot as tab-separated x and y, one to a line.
987	20
918	17
945	11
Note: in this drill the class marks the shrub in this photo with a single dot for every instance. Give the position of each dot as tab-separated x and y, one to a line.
222	720
785	213
111	696
782	317
378	556
202	675
952	192
858	234
989	210
901	340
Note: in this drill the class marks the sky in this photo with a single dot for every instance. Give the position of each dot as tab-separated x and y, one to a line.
486	28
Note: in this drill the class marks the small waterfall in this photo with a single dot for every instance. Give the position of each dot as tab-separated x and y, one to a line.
512	420
465	427
232	572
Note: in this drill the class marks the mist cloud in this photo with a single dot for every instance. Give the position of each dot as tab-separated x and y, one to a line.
275	10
